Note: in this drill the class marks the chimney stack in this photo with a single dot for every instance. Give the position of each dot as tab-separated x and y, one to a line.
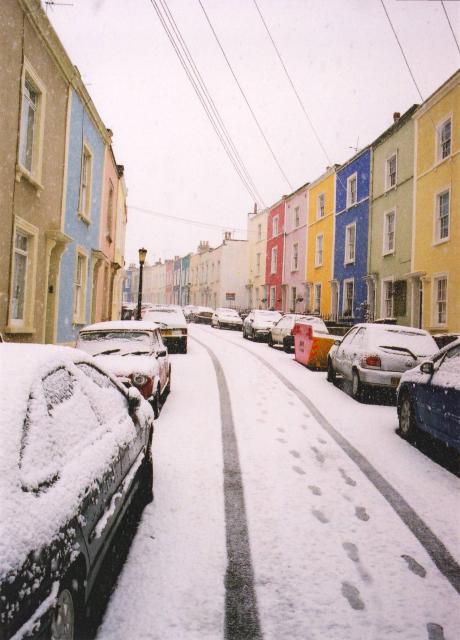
396	116
227	235
255	208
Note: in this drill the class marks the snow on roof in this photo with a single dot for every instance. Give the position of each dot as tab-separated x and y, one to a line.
120	325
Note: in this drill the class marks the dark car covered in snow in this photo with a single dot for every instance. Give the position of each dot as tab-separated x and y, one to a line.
76	452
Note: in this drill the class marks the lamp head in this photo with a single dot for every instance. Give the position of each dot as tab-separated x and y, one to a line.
142	254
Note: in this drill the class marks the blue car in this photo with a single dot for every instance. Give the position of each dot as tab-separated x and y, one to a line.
429	397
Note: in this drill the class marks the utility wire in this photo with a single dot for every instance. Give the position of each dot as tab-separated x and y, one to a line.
245	98
450	25
402	50
210	100
198	223
202	100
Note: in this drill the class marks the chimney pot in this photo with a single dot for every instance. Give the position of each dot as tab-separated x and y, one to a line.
396	116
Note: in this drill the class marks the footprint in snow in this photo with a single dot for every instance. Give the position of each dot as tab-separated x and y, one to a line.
361	513
321	441
281	430
303	426
294	453
351	593
261	420
347	478
435	631
319	515
298	470
316	491
291	403
318	455
414	566
264	412
351	550
282	440
306	415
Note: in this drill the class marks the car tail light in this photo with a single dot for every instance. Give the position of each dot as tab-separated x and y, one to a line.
184	332
372	362
143	383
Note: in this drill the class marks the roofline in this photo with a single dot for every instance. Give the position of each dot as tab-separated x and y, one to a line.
449	84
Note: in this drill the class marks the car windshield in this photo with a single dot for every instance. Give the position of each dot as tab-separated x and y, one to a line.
165	316
107	342
227	312
418	344
267	315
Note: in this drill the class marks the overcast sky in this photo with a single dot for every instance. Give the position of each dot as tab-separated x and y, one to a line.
341	54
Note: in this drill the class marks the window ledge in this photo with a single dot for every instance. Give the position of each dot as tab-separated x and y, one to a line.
84	218
19	329
318	266
22	172
388	253
347	262
443	241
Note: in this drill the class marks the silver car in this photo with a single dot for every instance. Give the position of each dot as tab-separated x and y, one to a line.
258	323
223	318
376	355
281	333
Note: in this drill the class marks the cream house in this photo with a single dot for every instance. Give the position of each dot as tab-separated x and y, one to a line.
257	249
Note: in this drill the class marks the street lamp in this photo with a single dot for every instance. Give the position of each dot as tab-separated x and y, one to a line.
142	254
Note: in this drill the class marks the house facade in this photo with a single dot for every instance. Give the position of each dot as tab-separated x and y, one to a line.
185	280
320	244
274	256
257	251
169	277
295	248
121	221
390	236
435	272
349	285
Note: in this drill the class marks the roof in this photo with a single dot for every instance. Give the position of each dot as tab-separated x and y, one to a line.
121	325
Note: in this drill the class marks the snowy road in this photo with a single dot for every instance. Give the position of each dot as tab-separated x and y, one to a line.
285	509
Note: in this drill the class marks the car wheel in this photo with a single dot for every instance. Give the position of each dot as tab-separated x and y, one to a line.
407	424
270	341
218	325
356	386
146	485
286	346
331	376
183	347
244	334
63	623
167	390
156	403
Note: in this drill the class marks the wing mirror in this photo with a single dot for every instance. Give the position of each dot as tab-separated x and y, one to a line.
134	399
337	343
427	367
162	353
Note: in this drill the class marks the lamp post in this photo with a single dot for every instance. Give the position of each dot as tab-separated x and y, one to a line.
142	254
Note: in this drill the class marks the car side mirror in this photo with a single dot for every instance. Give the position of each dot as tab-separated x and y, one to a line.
162	353
134	399
337	343
427	367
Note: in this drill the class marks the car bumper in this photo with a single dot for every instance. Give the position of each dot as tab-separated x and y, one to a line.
229	325
380	378
261	333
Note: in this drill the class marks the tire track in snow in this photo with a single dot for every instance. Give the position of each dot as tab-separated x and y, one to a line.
241	612
435	548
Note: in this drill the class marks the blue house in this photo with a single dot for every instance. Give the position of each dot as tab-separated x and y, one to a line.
349	286
86	139
185	280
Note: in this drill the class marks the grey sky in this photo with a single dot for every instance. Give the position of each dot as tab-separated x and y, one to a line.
341	54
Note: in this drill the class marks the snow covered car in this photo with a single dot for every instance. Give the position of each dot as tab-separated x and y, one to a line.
188	311
281	332
258	324
133	351
223	318
428	397
203	315
377	355
172	323
75	454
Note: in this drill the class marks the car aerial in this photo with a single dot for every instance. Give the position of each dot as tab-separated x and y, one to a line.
223	318
376	355
428	397
172	323
203	315
133	351
75	454
258	323
281	332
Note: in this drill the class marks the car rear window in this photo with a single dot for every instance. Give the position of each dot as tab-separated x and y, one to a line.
267	315
420	344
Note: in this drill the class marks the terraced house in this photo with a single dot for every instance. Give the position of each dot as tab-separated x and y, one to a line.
390	227
435	271
275	255
295	245
257	250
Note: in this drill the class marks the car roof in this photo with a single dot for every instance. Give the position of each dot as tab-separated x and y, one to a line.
121	325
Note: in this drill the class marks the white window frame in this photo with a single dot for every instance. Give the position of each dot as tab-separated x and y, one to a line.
258	263
386	249
34	173
259	232
275	226
84	208
345	283
384	298
320	206
347	258
274	260
295	257
388	184
319	255
354	176
317	291
437	219
24	324
435	301
439	130
272	297
296	217
79	312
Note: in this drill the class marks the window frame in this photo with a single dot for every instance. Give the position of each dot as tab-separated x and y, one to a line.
296	213
388	185
437	218
79	314
353	176
435	301
258	263
274	260
386	250
347	259
384	299
317	287
84	208
34	174
319	263
275	220
320	205
110	209
24	324
259	232
344	298
272	291
439	128
295	257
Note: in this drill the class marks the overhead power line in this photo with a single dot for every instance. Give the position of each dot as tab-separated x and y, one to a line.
197	84
246	99
196	223
450	25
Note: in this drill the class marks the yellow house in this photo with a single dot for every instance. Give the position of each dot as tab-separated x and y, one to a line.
435	271
320	244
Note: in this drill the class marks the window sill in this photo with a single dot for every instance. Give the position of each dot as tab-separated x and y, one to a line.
388	253
348	262
318	266
84	218
15	328
443	241
22	172
388	189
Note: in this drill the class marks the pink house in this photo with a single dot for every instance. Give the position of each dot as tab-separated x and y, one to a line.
295	247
